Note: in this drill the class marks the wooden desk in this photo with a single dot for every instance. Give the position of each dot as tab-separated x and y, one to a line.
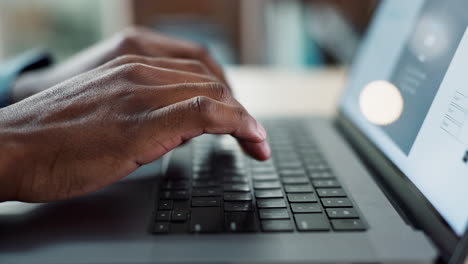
271	91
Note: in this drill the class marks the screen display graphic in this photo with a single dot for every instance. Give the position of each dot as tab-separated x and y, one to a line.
418	51
422	66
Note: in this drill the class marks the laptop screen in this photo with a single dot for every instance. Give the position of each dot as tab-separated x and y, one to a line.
408	92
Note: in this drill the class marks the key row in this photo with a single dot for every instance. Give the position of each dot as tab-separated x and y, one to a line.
212	220
294	193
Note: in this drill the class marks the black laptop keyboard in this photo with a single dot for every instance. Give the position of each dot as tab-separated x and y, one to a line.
295	191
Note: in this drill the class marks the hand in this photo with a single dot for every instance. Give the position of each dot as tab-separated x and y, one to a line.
98	127
133	41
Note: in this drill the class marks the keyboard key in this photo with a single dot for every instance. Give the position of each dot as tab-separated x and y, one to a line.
271	203
295	180
175	195
257	164
293	173
202	176
331	192
277	225
175	185
181	205
201	169
206	220
206	202
236	179
274	214
265	177
301	188
321	174
179	216
348	225
305	208
238	206
163	216
325	183
341	213
237	196
269	193
313	158
165	205
317	167
301	197
267	185
263	170
289	165
231	171
236	187
311	222
241	222
287	155
336	202
161	228
205	183
179	227
206	192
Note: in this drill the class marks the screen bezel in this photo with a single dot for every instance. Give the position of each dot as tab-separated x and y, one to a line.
408	197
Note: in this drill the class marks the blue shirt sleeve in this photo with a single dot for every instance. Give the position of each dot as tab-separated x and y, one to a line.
10	69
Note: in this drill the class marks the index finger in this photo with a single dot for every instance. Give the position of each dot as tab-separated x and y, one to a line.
199	115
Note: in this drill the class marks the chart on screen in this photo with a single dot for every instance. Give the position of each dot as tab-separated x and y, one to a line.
456	118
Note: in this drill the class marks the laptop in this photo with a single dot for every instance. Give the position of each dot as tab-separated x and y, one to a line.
369	186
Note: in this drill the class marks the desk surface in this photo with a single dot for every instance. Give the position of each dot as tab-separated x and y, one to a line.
271	91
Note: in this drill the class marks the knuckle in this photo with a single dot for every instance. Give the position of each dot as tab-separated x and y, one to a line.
195	65
127	40
219	91
240	113
134	67
128	59
204	105
132	70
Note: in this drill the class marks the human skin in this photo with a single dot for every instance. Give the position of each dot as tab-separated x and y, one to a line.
97	127
131	41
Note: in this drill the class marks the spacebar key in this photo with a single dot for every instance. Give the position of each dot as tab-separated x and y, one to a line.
206	219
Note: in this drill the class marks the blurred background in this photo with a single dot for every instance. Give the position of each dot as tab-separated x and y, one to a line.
284	33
